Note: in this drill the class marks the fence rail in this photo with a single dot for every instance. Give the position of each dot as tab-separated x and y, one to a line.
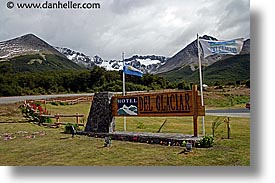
69	101
58	116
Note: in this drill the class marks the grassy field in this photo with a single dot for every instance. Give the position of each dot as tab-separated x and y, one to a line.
57	148
83	108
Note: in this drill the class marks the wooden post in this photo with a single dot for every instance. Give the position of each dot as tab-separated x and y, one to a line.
195	109
45	106
57	118
228	128
77	118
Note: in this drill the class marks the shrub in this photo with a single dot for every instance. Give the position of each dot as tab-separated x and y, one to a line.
63	103
207	141
183	144
54	103
215	124
33	111
45	120
67	128
29	113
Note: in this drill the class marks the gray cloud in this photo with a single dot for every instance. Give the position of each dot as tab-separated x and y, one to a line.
135	26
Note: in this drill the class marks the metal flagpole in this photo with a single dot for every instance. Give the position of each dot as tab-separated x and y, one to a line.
201	88
123	87
123	76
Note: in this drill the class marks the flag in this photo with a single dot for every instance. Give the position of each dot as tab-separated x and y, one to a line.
130	70
232	47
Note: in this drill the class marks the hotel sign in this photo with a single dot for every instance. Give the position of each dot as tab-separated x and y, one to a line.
181	103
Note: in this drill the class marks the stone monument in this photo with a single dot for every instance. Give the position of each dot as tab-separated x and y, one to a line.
100	119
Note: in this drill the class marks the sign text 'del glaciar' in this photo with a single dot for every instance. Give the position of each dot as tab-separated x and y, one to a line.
155	104
165	103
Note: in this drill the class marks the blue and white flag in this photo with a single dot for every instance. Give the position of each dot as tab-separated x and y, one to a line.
232	47
130	70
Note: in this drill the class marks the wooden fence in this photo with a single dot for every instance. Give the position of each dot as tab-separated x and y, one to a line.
58	116
68	101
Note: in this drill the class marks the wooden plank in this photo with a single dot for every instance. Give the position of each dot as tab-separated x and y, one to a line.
65	123
69	115
48	116
177	103
201	109
63	115
195	116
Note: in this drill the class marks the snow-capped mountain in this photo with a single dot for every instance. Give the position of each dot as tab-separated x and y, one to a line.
26	44
78	57
29	53
125	110
187	57
30	44
147	64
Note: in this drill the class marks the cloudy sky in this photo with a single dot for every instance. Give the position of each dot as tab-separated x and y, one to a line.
143	27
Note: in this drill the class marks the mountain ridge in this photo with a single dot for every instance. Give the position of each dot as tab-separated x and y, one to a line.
186	59
26	44
29	53
188	56
229	70
146	63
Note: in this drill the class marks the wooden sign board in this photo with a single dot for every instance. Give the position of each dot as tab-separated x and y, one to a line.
179	103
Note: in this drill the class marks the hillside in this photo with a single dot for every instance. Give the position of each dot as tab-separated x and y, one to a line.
25	45
229	70
187	58
37	63
29	53
232	69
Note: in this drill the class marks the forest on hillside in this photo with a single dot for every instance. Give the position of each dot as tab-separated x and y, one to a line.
232	70
75	81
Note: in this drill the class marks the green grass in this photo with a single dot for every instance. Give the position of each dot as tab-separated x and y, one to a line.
152	124
228	101
57	148
81	108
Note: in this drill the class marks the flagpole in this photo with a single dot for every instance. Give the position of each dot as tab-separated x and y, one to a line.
123	87
123	76
201	88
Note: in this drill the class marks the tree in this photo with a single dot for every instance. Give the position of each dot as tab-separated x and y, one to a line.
6	67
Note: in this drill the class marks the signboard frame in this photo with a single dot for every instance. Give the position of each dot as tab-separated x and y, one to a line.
177	103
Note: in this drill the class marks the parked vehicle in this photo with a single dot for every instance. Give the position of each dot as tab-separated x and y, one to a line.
247	105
